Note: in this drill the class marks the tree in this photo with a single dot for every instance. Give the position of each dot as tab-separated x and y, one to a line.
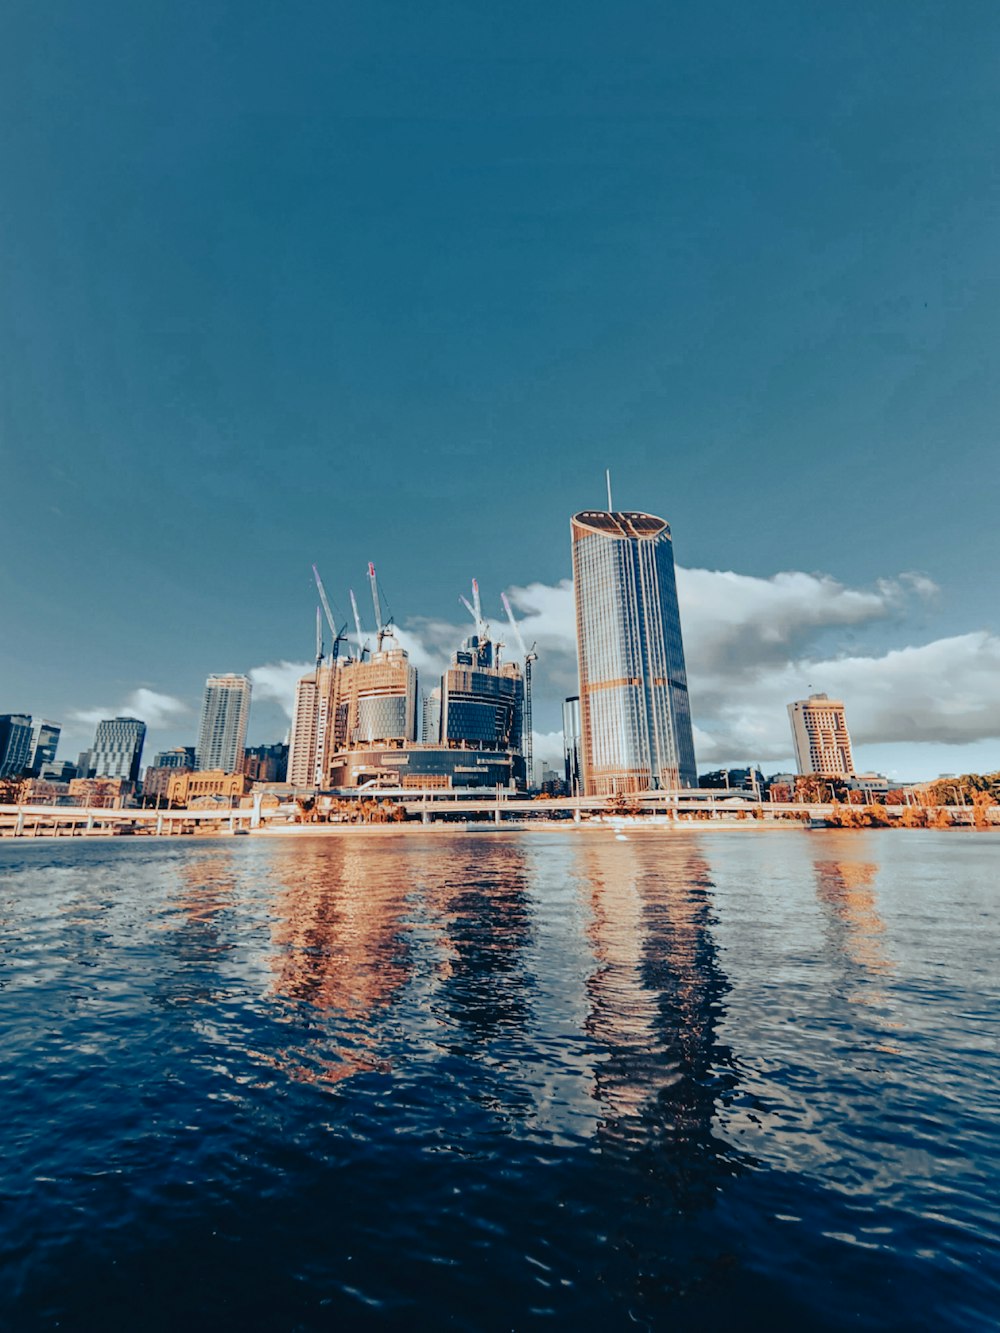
12	789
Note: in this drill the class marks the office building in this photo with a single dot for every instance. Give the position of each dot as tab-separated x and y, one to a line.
117	749
44	743
482	701
15	744
821	739
430	727
572	770
305	726
181	756
266	763
225	711
635	717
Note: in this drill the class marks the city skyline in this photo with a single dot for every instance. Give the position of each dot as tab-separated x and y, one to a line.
772	611
405	289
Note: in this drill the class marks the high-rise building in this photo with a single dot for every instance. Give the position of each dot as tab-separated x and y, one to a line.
572	769
822	742
482	702
305	725
635	716
430	723
225	711
44	743
15	744
117	748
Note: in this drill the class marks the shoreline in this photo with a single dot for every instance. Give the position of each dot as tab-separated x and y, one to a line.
619	831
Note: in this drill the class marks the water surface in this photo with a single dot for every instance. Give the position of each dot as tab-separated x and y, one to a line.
722	1080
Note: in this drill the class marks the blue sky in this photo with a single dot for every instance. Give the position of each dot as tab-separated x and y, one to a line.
341	282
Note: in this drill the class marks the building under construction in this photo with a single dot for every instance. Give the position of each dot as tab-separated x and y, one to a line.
357	721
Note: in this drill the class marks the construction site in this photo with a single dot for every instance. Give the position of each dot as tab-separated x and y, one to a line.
361	719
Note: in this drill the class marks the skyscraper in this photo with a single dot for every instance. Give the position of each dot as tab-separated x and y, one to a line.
571	746
117	748
635	717
225	710
15	744
822	741
44	743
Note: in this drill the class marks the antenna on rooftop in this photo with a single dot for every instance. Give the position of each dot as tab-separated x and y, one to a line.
607	477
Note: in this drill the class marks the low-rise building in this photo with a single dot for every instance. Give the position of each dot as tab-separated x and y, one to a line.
156	780
185	787
104	792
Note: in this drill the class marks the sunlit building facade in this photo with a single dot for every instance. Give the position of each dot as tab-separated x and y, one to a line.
635	716
822	741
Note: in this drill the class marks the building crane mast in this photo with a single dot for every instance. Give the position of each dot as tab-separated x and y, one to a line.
362	647
377	605
326	604
319	638
529	656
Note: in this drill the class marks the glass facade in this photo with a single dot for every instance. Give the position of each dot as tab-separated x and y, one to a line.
635	717
482	703
571	746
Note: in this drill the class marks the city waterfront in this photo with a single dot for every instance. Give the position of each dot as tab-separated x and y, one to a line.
488	1083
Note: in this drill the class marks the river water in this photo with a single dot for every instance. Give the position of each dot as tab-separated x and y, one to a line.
743	1079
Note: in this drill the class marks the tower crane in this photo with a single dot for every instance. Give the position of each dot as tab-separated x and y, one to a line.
529	656
362	646
319	638
337	636
383	627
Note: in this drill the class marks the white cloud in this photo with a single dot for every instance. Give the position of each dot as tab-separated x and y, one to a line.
276	682
150	706
752	645
155	709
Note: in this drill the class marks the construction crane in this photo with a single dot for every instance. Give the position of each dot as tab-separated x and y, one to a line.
529	656
338	637
362	646
319	638
383	628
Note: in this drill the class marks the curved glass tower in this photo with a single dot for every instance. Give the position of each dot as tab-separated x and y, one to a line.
635	717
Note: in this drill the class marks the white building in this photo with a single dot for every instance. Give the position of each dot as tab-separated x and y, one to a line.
822	742
225	711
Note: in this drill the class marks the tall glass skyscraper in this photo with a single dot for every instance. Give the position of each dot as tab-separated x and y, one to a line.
635	718
225	710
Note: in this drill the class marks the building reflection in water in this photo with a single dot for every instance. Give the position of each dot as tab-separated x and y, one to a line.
846	891
655	998
856	936
199	934
479	901
338	951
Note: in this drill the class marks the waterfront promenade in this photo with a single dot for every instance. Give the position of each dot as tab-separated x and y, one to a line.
436	808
